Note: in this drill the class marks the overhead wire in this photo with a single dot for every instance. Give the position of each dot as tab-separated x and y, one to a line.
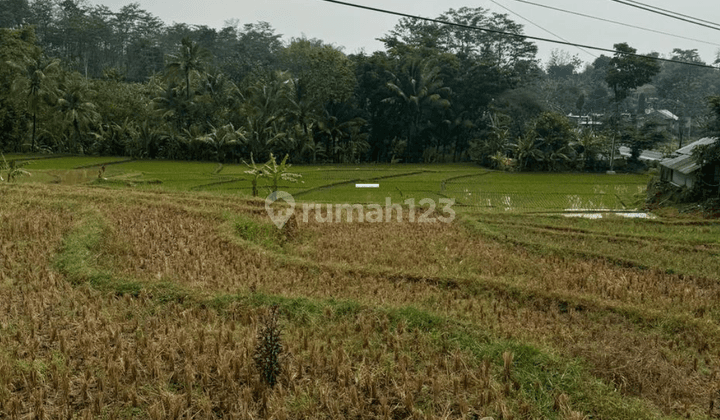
546	30
670	15
677	13
495	31
616	22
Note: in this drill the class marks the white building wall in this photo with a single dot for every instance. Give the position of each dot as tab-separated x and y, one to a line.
682	180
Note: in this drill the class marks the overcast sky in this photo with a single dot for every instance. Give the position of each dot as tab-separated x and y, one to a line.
356	29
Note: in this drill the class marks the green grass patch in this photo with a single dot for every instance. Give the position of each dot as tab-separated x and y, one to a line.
76	259
267	235
79	257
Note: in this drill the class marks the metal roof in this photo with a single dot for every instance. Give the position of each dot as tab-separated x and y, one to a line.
667	114
644	155
682	160
664	113
683	163
687	150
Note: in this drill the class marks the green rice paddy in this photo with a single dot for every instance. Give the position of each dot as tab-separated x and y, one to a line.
469	185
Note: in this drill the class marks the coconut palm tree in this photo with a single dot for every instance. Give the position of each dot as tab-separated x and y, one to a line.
418	90
150	140
171	106
190	59
302	110
222	139
217	96
343	132
264	111
76	108
37	85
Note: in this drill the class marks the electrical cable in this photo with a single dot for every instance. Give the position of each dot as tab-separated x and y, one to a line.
494	31
546	30
717	28
677	13
616	22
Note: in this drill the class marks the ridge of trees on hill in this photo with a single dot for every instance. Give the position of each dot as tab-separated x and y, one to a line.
84	79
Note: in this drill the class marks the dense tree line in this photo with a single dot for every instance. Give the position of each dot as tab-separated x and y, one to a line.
82	79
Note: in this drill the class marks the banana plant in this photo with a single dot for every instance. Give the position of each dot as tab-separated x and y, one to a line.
276	172
273	171
13	169
527	151
256	172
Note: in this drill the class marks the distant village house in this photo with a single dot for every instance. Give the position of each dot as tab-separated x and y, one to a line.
682	170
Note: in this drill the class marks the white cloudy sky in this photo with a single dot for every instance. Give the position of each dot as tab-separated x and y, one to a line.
357	29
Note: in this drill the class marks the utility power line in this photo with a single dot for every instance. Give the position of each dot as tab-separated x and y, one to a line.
677	13
495	31
616	22
546	30
671	15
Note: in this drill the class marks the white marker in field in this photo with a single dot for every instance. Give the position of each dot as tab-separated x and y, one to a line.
367	185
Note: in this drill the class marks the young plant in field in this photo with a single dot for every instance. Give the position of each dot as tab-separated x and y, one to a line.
13	169
267	352
279	172
272	170
256	173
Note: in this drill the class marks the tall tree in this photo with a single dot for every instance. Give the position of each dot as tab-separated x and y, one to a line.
255	50
42	14
325	73
37	86
513	53
418	91
144	58
14	13
77	109
681	87
626	72
561	64
191	59
17	50
133	25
